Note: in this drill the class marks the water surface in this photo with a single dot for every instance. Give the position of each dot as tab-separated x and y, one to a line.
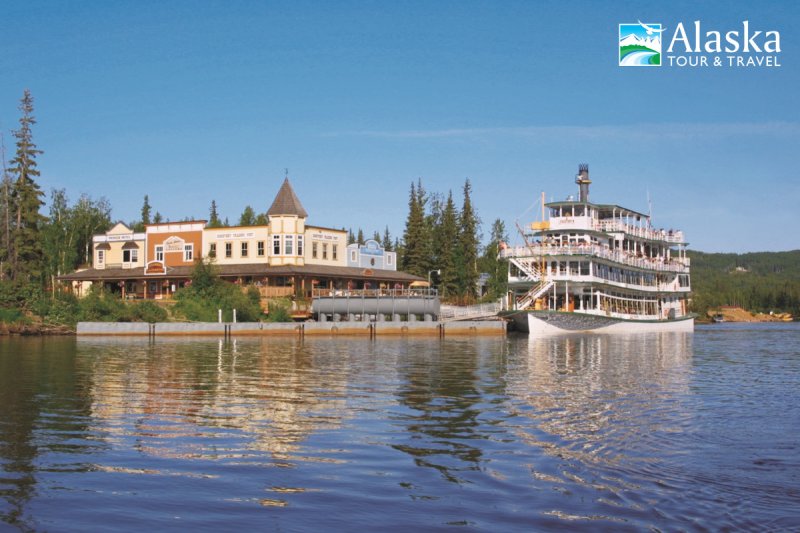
663	431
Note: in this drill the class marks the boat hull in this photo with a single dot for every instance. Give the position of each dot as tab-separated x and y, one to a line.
562	323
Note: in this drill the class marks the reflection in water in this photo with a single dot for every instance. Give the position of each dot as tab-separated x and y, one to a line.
661	431
177	399
606	407
443	393
43	409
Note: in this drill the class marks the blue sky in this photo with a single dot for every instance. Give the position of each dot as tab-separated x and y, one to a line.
193	101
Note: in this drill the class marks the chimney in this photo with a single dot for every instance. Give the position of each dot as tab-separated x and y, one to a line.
583	181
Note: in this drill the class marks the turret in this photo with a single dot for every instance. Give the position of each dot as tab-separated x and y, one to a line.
583	181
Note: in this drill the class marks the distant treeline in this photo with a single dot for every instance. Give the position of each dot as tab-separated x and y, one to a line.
762	281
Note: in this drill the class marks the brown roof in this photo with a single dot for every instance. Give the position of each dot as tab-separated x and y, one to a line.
286	202
324	271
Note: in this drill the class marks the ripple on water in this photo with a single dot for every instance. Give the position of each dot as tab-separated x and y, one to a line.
668	431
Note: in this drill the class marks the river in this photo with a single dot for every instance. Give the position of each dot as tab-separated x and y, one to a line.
657	431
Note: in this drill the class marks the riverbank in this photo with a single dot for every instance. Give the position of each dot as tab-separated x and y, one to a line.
34	329
737	314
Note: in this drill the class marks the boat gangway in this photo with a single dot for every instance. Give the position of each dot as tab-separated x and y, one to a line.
450	313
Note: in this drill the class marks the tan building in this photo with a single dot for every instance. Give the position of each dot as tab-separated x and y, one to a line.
287	257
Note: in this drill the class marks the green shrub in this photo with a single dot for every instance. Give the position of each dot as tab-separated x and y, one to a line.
63	309
279	311
207	293
148	311
98	306
10	316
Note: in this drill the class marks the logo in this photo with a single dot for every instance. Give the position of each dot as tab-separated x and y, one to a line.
640	45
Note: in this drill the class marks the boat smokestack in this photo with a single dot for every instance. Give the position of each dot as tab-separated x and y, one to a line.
583	181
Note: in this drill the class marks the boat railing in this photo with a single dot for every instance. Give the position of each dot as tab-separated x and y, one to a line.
423	292
618	256
637	231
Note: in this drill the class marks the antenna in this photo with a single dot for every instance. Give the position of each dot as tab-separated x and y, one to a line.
286	173
649	209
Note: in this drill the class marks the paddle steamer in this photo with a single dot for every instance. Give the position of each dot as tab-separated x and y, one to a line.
591	267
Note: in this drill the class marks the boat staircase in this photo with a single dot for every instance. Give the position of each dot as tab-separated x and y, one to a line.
529	266
450	313
525	301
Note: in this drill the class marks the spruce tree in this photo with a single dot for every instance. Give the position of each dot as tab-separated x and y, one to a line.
411	260
213	216
416	256
447	241
26	197
351	239
491	263
360	237
146	210
467	255
387	240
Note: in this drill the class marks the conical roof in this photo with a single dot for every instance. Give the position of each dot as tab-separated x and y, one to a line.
286	202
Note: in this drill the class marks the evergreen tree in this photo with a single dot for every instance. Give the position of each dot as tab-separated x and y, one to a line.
376	237
468	242
493	265
360	238
387	240
157	218
350	237
262	219
213	216
26	249
447	240
248	217
146	210
416	238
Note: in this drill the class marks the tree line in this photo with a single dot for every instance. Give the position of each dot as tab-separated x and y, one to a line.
760	281
442	243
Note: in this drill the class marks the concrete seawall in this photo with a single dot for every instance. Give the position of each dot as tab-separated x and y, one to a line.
367	329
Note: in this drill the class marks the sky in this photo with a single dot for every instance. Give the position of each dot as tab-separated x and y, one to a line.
189	102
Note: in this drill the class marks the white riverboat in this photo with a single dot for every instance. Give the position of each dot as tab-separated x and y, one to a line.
597	268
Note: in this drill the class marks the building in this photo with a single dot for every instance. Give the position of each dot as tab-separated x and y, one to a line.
286	257
370	255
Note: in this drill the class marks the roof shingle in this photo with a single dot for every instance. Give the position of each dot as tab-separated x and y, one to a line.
286	202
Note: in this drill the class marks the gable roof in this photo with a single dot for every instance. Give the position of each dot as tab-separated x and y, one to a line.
286	202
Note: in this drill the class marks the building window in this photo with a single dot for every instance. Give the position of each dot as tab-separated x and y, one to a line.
334	251
314	250
276	245
228	249
188	252
159	253
388	259
288	246
130	256
101	256
300	245
212	250
260	248
353	256
244	248
325	250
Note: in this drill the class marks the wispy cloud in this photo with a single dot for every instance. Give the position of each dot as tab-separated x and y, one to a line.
644	131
